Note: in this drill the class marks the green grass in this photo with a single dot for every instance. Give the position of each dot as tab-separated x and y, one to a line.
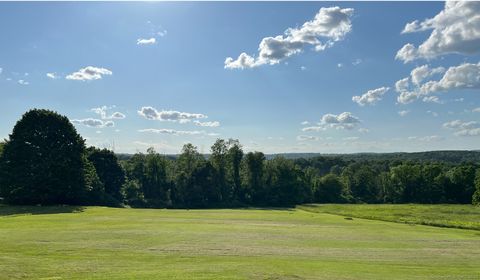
440	215
109	243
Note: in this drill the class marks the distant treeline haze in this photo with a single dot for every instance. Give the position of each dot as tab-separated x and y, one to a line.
45	161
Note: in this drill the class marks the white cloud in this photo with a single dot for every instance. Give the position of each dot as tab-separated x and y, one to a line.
1	70
102	111
431	138
432	99
363	130
149	41
89	73
344	120
176	132
313	128
162	33
463	76
403	113
463	128
402	85
476	110
90	122
435	114
182	117
329	26
303	68
307	138
370	97
456	29
356	62
52	75
23	82
305	123
340	65
419	74
151	113
207	124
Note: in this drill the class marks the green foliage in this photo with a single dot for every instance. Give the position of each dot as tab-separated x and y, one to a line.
109	171
43	162
329	189
476	195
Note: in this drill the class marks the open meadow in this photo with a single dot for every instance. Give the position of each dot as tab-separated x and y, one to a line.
115	243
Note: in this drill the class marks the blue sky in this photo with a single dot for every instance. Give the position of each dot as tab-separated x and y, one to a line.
162	68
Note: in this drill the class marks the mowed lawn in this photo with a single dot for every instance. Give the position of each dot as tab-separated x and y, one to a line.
442	215
109	243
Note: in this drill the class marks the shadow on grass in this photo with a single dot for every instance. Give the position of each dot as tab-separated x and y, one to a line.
10	210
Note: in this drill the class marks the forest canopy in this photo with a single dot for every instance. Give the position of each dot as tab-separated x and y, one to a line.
45	161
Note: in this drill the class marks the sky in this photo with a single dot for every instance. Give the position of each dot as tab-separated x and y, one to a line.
327	77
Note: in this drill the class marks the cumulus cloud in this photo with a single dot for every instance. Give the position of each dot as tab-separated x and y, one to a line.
463	128
476	110
403	113
52	75
176	132
363	130
463	76
102	111
345	120
151	113
307	138
207	124
89	73
432	99
370	97
23	82
456	29
313	128
90	122
149	41
329	26
305	123
419	74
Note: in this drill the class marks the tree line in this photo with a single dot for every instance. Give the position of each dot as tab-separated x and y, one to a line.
45	161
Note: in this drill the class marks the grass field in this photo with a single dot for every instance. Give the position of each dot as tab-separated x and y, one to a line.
108	243
441	215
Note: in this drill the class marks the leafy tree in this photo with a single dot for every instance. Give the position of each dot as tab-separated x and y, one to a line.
219	159
43	162
133	193
234	156
476	195
186	168
285	183
109	171
155	185
462	184
254	170
329	189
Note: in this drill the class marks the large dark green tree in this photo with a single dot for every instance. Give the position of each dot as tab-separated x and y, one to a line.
109	171
44	162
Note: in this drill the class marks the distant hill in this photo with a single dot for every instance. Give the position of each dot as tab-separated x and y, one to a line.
442	156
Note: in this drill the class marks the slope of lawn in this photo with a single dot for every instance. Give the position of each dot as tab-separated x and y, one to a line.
109	243
442	215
